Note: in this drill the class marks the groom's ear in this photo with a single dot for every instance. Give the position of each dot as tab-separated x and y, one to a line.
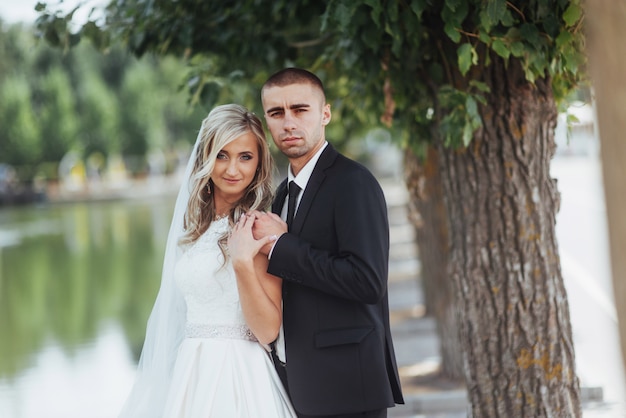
326	114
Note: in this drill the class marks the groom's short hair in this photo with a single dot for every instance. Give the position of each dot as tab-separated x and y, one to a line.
293	75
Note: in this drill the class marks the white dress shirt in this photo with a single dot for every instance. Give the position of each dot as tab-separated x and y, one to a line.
301	180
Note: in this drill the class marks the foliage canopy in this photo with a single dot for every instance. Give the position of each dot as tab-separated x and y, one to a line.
415	62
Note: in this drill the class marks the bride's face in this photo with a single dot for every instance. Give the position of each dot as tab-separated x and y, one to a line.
234	170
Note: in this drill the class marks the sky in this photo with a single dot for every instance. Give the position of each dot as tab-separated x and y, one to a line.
14	11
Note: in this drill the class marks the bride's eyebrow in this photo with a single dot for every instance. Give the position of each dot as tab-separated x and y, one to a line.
248	152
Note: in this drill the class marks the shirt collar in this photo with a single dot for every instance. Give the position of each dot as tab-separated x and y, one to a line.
305	174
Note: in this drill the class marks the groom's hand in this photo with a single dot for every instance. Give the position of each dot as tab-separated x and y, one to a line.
267	224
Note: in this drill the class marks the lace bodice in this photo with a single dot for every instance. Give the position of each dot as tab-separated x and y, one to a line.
210	287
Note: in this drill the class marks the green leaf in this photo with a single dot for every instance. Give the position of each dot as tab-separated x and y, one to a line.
471	107
473	121
453	4
572	14
480	98
472	112
564	38
480	86
453	19
464	54
572	61
468	134
392	11
341	15
540	63
377	11
418	7
551	25
496	10
500	48
513	34
325	19
345	14
452	33
460	11
530	75
396	44
485	21
484	37
507	19
517	49
530	34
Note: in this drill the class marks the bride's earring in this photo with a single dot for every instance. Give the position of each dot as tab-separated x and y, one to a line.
208	187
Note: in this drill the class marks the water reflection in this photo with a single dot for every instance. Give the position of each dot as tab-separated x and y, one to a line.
77	283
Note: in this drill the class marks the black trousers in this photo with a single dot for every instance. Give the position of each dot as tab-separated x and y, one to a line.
379	413
282	373
280	369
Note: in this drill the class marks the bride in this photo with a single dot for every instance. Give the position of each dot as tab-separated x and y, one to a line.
207	339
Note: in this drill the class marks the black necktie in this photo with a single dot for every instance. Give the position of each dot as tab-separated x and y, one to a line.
294	190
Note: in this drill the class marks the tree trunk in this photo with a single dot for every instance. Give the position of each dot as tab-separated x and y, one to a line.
428	216
504	263
605	34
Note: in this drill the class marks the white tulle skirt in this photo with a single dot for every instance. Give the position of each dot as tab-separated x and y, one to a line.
225	378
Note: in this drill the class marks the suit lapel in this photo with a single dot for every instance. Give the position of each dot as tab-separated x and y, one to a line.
317	178
279	200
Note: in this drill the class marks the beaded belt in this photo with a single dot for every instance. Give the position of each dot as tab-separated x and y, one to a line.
237	332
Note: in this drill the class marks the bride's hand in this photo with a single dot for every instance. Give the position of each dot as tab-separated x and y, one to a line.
241	243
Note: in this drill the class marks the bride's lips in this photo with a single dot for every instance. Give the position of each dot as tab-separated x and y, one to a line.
231	181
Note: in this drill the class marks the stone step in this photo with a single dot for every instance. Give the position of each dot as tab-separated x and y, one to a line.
395	191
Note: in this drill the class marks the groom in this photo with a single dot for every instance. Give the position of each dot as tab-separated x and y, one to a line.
337	357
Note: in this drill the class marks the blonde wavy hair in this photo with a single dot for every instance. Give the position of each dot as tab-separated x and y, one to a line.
223	125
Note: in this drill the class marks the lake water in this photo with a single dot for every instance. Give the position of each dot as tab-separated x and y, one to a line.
77	283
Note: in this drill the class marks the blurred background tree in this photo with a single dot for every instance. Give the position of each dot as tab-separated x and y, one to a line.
83	101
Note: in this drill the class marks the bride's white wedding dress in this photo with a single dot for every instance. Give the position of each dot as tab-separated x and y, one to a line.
221	370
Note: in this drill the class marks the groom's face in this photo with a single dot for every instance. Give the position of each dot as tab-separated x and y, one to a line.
296	116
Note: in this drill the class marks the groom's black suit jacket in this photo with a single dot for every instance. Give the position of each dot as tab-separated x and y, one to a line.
334	265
